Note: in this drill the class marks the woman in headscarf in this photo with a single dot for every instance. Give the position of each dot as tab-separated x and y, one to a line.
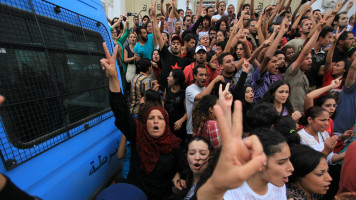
155	150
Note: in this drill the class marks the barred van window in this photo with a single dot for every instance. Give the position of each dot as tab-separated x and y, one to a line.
50	75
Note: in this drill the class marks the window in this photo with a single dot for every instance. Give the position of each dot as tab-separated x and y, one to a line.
50	75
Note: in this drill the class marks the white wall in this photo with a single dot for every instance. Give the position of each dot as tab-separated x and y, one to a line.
318	5
114	8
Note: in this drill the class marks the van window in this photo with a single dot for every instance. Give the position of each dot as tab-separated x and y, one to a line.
50	75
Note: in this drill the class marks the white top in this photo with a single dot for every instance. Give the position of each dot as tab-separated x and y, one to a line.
246	193
307	139
190	93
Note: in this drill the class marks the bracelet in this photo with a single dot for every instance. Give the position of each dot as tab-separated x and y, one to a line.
265	22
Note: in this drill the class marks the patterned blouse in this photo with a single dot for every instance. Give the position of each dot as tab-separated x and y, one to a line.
293	192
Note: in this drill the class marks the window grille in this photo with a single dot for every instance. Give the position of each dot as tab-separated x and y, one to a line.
50	75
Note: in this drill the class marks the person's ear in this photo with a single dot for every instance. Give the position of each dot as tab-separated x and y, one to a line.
309	120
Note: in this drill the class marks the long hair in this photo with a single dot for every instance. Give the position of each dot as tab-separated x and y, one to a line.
269	95
186	173
201	111
179	78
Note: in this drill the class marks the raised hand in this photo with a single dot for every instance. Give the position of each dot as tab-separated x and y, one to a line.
225	100
239	159
153	9
337	34
266	43
336	82
246	65
108	64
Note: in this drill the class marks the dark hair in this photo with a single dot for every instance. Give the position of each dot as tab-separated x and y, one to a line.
146	24
222	56
112	21
222	2
179	78
284	13
151	95
201	111
144	64
245	5
337	17
316	10
188	37
249	22
186	173
222	19
207	8
152	99
207	18
279	52
322	99
224	33
212	29
304	160
270	140
287	127
138	29
180	10
312	112
221	44
208	171
262	115
285	47
269	95
325	31
185	17
195	69
145	17
343	36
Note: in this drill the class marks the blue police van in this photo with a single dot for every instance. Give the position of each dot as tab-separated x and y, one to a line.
57	134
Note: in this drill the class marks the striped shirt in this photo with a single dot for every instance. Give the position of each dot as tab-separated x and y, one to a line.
139	85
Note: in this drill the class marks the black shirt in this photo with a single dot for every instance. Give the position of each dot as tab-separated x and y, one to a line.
170	62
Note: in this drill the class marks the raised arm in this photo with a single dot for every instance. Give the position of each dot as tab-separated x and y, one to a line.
155	29
239	9
252	8
209	88
162	10
306	50
257	51
351	75
200	8
270	51
311	96
329	56
174	10
296	11
349	6
117	23
167	8
261	37
239	159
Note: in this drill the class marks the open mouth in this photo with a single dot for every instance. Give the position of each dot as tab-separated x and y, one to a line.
326	187
197	166
285	179
155	128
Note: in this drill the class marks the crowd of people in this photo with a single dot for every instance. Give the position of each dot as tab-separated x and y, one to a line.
230	103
